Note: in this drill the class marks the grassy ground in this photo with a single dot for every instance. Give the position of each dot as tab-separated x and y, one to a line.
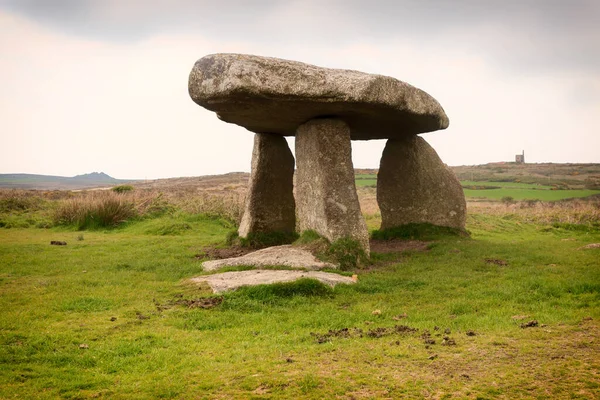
512	185
366	180
529	194
108	316
516	190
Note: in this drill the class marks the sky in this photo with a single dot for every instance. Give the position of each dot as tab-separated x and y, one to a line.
101	85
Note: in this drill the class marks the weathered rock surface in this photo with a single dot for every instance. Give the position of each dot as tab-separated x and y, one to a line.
270	205
415	186
272	95
227	281
286	255
326	198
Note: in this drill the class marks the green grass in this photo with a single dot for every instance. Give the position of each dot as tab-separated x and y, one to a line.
100	318
529	194
516	190
365	180
512	185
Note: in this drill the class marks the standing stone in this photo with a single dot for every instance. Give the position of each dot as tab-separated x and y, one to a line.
415	186
325	187
270	203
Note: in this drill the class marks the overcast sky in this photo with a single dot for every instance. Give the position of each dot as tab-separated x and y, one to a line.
101	85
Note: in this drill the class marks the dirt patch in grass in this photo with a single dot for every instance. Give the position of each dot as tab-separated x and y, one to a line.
200	302
530	324
357	332
398	246
203	302
556	363
496	261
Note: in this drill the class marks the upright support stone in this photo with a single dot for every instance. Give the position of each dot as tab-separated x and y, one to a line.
415	186
325	187
270	205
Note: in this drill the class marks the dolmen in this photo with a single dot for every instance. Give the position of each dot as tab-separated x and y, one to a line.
325	109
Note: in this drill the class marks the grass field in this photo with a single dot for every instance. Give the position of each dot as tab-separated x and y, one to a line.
366	180
529	194
511	185
110	315
516	190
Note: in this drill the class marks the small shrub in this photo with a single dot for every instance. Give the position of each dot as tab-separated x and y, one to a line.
508	200
347	253
122	188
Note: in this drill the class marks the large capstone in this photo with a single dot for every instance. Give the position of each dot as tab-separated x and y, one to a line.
415	186
270	205
271	95
326	196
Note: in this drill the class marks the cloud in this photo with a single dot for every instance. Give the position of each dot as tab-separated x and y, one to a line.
523	35
74	101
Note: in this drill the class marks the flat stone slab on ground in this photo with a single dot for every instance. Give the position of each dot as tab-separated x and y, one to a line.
286	255
228	281
272	95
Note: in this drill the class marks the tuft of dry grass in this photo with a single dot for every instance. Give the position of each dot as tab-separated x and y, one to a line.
88	209
575	211
229	206
107	208
583	211
101	210
19	200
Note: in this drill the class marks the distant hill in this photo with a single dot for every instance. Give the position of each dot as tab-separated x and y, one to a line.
50	182
574	176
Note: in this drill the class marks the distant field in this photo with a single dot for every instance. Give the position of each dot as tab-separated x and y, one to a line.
516	190
529	194
366	180
513	185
